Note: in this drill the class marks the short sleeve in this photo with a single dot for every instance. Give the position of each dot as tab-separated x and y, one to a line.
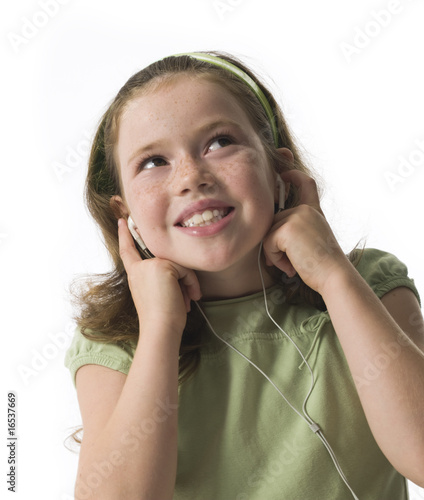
384	272
83	351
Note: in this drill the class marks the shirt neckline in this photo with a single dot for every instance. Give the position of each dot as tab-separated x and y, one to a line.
207	304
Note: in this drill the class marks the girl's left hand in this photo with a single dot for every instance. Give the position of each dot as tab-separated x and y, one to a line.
301	240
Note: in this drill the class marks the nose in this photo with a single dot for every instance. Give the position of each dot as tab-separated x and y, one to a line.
192	175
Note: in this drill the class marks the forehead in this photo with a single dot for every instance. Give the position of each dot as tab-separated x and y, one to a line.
182	97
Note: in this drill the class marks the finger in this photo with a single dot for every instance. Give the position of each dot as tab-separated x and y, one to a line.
127	249
190	283
307	187
281	261
280	218
274	256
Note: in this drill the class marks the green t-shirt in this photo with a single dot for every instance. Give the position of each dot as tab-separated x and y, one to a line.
237	438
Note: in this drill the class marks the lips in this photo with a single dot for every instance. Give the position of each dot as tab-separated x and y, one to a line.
203	212
207	218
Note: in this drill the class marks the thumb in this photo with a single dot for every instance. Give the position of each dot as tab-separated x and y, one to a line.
190	286
275	257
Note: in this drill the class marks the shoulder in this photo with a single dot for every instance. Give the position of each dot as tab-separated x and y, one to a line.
84	351
384	272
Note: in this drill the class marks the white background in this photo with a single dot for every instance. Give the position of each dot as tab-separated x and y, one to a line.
356	116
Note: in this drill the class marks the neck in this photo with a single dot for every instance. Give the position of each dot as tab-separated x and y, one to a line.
234	282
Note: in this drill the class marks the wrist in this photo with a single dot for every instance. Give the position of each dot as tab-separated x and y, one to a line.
159	334
341	277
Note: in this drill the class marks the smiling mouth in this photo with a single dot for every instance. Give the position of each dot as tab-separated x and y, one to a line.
206	218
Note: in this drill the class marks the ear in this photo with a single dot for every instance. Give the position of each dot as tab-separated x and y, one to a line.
287	159
119	208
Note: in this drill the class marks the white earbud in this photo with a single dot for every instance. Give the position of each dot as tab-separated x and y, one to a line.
132	227
281	194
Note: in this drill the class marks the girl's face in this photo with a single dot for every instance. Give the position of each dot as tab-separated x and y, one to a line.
195	176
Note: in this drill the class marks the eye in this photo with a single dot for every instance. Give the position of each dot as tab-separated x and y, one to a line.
151	162
220	142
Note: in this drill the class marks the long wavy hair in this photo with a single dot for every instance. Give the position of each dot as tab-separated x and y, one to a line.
105	311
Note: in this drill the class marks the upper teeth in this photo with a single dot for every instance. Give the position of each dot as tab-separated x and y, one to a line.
206	218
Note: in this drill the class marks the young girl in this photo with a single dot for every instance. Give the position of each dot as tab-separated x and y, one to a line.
235	352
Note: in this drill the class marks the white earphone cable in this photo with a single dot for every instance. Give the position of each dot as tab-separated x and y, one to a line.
312	425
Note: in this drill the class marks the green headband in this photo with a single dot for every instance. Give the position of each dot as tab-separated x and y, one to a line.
222	63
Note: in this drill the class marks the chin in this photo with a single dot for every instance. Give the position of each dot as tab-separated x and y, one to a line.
209	267
212	263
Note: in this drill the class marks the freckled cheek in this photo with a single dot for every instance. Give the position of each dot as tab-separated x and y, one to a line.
147	204
248	175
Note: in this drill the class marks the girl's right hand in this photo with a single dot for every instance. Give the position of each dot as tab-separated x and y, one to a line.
161	290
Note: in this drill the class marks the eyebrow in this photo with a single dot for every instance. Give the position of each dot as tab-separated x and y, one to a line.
207	127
